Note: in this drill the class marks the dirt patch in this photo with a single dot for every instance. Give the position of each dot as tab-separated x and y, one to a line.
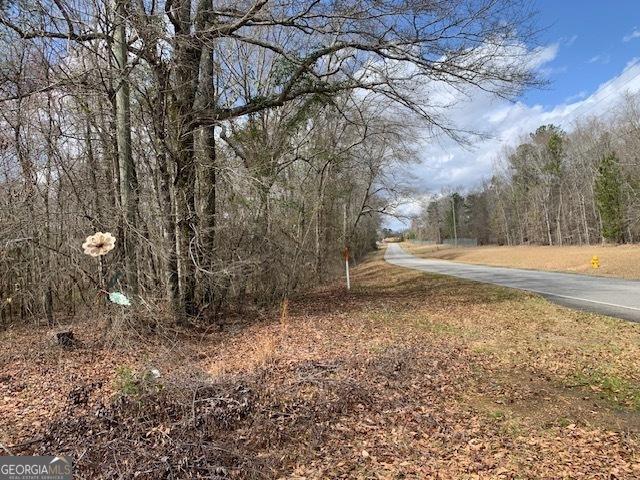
524	401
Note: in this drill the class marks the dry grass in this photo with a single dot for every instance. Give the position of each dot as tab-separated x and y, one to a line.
408	376
615	261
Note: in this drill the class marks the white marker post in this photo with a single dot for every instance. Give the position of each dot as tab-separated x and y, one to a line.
346	266
345	252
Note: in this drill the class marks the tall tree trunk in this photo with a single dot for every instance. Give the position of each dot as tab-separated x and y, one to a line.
186	222
93	176
166	202
210	180
585	223
48	294
94	170
169	234
127	171
319	230
559	222
547	223
207	151
186	59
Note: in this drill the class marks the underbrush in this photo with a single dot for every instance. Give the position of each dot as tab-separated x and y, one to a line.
249	426
405	376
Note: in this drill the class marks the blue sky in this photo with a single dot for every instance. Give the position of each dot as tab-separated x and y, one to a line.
591	37
590	53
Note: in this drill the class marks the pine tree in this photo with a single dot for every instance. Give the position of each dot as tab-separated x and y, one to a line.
609	197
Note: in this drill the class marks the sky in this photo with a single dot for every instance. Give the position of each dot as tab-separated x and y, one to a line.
588	51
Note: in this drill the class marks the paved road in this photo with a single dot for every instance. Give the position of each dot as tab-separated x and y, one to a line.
609	296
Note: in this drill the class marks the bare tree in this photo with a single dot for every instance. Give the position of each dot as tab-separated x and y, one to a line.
227	138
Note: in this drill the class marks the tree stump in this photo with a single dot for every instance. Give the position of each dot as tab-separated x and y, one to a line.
63	338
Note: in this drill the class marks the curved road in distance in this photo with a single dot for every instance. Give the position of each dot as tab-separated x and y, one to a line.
609	296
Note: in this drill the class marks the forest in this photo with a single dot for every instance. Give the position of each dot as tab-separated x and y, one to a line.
232	150
556	187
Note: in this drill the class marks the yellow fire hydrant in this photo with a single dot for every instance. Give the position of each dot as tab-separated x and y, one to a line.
595	262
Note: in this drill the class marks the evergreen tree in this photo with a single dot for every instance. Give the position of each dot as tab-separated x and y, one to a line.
609	197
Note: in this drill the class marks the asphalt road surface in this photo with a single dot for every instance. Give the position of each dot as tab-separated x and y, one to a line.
608	296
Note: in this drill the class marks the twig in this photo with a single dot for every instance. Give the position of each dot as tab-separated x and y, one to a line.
24	444
584	384
6	449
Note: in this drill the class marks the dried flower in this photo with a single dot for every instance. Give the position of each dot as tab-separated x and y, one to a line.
99	244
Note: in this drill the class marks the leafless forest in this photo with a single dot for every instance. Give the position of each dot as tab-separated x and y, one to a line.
555	188
233	149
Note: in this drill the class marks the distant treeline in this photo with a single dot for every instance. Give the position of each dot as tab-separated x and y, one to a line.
555	188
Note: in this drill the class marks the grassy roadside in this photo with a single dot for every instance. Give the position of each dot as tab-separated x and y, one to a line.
621	261
408	376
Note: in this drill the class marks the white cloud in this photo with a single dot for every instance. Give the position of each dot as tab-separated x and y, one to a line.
602	58
570	41
634	34
578	96
542	55
445	163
